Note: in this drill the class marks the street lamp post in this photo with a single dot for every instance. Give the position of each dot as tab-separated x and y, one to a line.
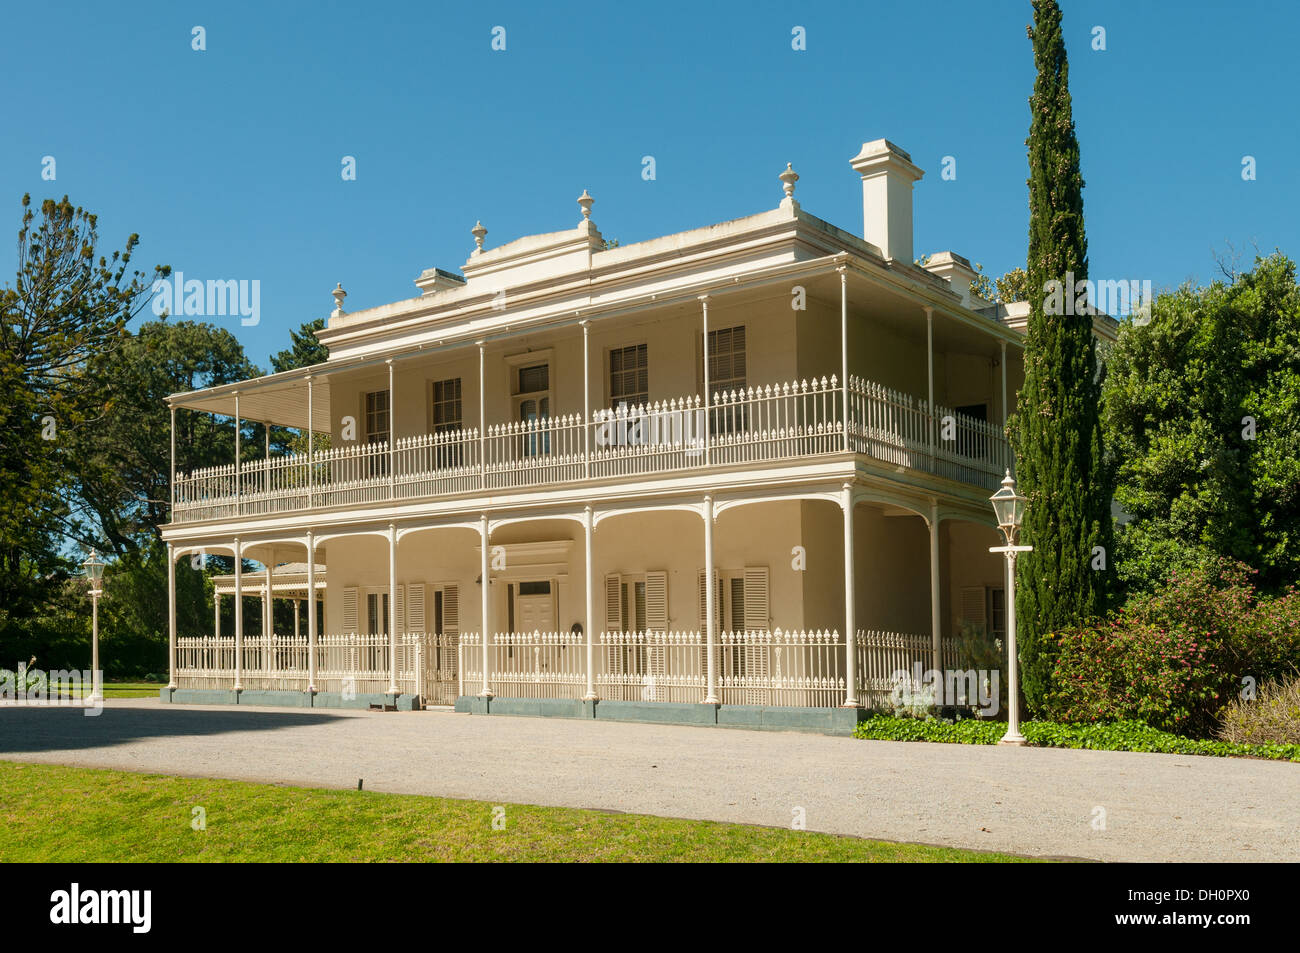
94	567
1009	507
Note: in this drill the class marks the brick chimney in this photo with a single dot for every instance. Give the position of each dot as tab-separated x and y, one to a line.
887	176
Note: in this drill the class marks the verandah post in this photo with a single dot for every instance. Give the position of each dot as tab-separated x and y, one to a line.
239	613
483	534
844	349
929	366
171	617
590	619
586	407
392	608
311	611
850	602
936	634
710	597
708	423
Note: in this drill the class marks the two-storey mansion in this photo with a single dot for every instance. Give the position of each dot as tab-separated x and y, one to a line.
744	464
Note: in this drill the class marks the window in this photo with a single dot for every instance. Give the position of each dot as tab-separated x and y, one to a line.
377	416
446	405
727	359
997	613
533	405
377	613
637	602
629	376
727	373
377	424
534	378
740	600
447	409
741	604
971	443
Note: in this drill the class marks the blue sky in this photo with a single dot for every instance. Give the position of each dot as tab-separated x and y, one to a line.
227	161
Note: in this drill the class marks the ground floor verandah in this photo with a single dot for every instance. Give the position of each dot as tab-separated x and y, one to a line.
744	600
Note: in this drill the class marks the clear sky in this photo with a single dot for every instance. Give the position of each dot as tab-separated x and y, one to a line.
227	161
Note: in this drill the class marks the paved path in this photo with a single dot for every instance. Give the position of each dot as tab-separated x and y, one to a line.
1028	801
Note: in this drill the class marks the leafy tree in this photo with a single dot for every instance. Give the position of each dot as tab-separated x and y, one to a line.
124	488
982	285
67	304
1056	431
1197	479
1013	286
304	350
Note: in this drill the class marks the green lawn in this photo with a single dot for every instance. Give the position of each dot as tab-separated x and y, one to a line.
125	690
55	813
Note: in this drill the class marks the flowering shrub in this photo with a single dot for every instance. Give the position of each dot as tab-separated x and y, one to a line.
1174	658
1128	670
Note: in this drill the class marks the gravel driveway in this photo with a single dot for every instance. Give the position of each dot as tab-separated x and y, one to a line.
1027	801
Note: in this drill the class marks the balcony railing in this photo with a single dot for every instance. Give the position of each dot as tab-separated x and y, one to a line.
757	424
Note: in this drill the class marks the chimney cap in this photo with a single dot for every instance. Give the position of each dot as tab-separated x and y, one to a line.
949	259
881	155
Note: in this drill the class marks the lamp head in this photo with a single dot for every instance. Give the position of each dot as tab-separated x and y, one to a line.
1008	506
94	567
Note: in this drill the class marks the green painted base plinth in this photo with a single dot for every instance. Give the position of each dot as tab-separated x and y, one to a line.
829	721
288	699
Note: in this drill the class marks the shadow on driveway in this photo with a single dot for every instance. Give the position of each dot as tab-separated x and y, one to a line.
25	730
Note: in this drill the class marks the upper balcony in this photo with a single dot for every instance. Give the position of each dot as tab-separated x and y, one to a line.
676	332
796	421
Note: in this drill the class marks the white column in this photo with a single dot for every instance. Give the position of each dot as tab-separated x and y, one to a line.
297	608
392	445
586	422
392	605
238	479
708	422
936	631
311	611
482	436
172	513
850	602
239	614
171	617
1004	385
487	627
216	614
710	600
268	652
844	347
929	371
311	447
589	624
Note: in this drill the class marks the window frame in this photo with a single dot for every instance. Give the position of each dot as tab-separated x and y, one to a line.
610	400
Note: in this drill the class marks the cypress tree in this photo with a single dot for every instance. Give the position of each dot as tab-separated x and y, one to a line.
1057	431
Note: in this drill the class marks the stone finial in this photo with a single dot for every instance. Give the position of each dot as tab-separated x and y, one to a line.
788	178
586	201
339	294
479	233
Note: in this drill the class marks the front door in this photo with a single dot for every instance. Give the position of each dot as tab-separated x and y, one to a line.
535	607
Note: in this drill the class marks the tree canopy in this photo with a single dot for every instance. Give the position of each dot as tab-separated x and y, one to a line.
1203	419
